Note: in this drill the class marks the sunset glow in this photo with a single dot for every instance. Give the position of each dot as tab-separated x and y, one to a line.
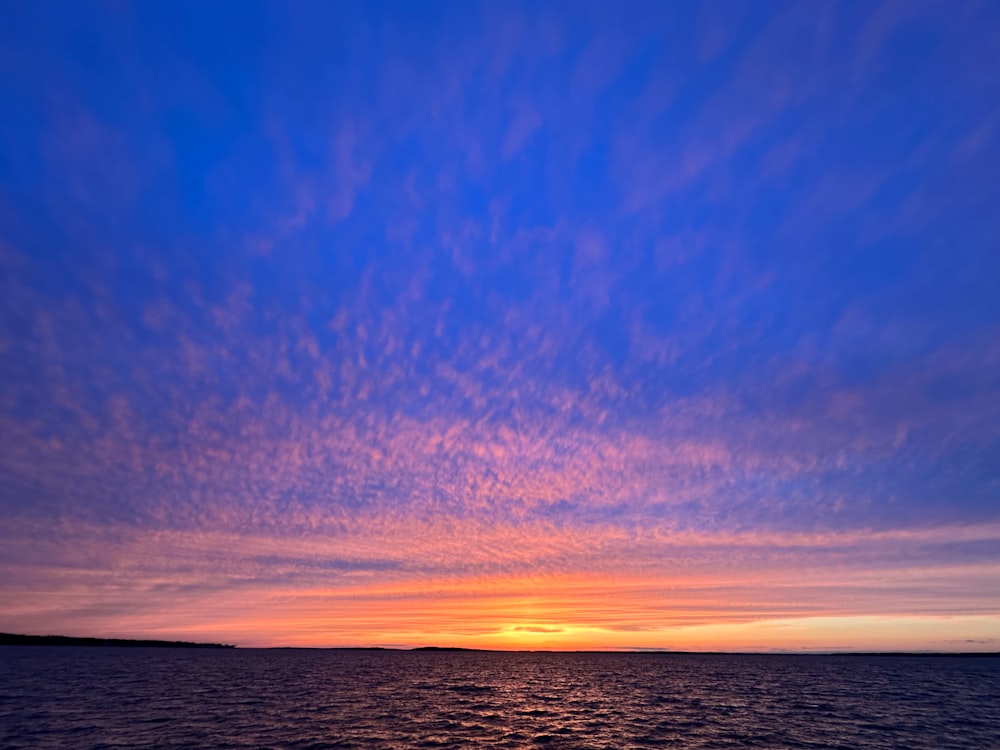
512	326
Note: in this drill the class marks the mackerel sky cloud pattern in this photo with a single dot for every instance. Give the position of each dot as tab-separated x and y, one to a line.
506	325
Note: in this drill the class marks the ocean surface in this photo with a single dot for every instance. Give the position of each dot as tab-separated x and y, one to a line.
78	697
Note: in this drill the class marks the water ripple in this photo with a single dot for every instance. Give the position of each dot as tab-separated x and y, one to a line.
318	700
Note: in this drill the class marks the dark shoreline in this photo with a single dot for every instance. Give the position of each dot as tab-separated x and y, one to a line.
13	639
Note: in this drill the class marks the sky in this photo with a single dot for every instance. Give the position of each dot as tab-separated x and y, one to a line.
507	325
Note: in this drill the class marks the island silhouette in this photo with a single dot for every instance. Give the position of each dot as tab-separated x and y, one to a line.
14	639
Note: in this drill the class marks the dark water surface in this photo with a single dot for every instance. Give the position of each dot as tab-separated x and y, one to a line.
141	698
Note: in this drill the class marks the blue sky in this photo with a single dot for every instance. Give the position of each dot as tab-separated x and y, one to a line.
375	301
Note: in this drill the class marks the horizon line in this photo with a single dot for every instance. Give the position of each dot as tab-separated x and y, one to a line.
24	639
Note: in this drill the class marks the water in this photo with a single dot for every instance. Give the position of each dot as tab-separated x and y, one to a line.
163	698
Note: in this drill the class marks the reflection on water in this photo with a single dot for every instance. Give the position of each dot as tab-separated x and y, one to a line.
90	698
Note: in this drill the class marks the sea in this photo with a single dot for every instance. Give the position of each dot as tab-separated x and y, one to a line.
84	697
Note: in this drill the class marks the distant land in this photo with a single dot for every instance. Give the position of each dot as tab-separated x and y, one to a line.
13	639
647	651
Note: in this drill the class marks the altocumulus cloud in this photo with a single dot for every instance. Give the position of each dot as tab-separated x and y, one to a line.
492	323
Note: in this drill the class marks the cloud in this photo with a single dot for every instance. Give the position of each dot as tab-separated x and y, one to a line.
536	629
561	328
524	123
349	172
